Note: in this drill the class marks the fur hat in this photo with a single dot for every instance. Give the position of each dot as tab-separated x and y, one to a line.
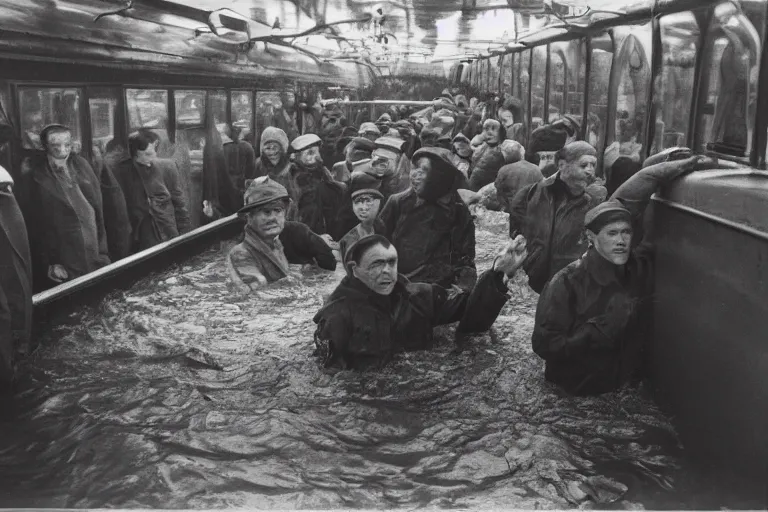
547	138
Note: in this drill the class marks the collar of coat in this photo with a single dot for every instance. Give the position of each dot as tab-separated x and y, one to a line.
602	270
445	202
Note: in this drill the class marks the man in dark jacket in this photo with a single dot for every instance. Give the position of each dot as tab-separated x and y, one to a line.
319	197
512	178
376	312
429	224
550	214
15	278
358	148
591	320
271	242
240	160
157	205
62	206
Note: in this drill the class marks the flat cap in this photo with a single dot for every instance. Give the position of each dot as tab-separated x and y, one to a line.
261	191
363	183
390	143
368	127
605	213
307	141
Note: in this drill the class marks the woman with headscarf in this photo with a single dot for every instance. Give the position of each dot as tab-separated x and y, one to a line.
429	224
274	163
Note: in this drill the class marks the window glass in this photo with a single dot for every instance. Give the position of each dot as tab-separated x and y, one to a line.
523	81
506	76
218	101
44	106
557	85
513	71
577	68
107	126
147	108
190	120
597	117
673	89
242	114
5	147
633	63
538	78
728	115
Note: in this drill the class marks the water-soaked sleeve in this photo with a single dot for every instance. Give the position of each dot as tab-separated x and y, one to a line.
320	251
333	335
242	271
556	334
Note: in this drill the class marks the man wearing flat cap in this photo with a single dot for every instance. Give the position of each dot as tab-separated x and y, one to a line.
429	224
370	131
591	317
358	148
271	242
366	197
319	196
389	165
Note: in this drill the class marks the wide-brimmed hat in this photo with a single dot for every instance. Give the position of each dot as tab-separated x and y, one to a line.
261	191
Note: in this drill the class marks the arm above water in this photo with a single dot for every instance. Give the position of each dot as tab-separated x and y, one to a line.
242	271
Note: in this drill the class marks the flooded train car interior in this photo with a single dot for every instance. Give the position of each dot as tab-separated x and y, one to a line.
146	145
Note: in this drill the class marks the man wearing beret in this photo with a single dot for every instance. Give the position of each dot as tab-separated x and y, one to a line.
358	148
375	312
271	242
429	224
590	324
319	196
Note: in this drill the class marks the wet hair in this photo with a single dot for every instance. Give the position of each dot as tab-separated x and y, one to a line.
574	150
362	246
139	142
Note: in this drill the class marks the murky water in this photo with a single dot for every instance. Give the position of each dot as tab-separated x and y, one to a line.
179	393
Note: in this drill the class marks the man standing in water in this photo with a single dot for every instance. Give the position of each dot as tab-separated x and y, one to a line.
271	242
376	312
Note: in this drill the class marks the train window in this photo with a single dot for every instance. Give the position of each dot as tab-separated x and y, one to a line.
190	121
107	130
42	106
538	79
577	69
597	117
242	114
634	72
727	117
523	81
147	108
673	89
514	65
218	101
557	83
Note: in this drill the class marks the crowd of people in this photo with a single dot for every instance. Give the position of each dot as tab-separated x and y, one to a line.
390	200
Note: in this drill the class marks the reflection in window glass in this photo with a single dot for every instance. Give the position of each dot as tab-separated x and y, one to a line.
729	112
106	126
673	89
633	61
597	117
557	85
190	119
147	108
44	106
538	78
242	114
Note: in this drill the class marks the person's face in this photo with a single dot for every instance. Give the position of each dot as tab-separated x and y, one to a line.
579	173
310	156
272	152
366	207
546	158
613	241
419	174
289	100
146	156
384	160
268	221
462	148
59	145
491	133
507	119
377	269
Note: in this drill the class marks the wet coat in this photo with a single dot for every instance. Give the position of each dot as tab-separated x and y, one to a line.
57	234
590	346
486	162
15	281
157	205
358	328
552	222
319	199
280	172
435	241
512	178
253	263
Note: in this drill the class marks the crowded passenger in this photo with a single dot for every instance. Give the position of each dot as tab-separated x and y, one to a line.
429	224
376	312
550	214
487	157
284	117
386	163
357	149
591	319
270	242
366	200
369	131
319	198
514	177
157	205
63	206
15	279
545	142
462	151
240	160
